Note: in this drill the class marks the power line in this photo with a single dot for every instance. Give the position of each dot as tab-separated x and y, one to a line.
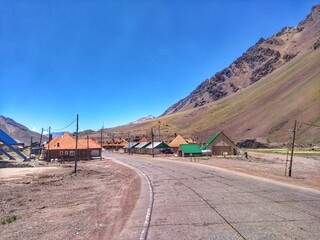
64	127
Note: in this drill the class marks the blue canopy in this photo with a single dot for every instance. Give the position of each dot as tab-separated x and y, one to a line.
6	139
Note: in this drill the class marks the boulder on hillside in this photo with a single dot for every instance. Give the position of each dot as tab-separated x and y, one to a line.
251	143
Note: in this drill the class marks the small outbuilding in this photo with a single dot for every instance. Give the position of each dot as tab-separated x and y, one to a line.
175	143
189	150
156	147
220	144
140	148
115	144
128	148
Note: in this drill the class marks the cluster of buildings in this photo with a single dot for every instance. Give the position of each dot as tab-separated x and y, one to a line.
218	144
64	147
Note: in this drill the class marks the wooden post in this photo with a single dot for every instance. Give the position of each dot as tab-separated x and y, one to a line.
76	150
40	142
129	143
41	136
48	158
101	145
293	140
30	147
159	131
88	155
152	142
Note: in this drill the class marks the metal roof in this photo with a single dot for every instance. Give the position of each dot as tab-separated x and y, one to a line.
130	145
177	141
191	148
206	144
158	145
142	145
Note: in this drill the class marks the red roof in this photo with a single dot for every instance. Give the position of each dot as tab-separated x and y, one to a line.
66	141
143	139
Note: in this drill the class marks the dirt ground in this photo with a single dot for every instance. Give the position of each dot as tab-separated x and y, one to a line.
52	203
55	204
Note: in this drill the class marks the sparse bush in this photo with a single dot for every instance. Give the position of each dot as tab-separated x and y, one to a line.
9	219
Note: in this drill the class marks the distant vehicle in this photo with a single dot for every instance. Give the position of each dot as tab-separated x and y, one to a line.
167	151
206	152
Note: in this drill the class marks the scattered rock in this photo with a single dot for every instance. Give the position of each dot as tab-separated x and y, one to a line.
40	207
316	44
250	143
288	56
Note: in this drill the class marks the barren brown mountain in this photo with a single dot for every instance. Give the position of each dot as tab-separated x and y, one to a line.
257	62
259	95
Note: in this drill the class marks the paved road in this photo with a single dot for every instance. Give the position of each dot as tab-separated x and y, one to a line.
193	201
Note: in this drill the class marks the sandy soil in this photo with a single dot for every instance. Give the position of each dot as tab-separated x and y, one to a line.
55	204
52	203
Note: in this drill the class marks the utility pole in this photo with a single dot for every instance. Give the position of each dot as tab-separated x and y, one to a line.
41	136
293	140
101	144
76	150
48	158
41	141
87	146
30	147
129	143
152	142
159	132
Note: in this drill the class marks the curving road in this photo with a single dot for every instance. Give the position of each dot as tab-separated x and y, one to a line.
182	200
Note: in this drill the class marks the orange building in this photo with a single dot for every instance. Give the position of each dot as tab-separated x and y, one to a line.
64	148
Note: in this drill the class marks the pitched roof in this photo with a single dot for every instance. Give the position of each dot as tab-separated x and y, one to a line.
143	139
177	141
142	145
84	143
191	148
157	145
206	144
190	140
116	143
130	145
66	141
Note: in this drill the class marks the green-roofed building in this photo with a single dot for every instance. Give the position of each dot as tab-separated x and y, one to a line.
188	150
220	144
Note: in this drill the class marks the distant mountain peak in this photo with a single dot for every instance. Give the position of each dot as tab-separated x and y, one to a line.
143	119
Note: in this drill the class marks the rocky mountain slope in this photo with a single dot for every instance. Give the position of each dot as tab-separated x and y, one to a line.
285	88
257	62
18	131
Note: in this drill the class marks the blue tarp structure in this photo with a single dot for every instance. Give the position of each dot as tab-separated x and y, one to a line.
5	153
9	141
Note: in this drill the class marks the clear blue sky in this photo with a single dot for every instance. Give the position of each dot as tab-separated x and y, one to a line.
116	61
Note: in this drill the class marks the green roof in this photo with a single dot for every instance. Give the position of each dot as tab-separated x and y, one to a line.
191	148
206	144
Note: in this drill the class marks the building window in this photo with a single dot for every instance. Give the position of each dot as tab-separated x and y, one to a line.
61	153
72	153
58	144
66	153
